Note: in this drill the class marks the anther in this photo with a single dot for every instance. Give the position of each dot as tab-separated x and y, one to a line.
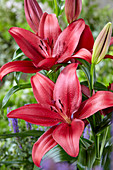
46	48
41	42
61	110
48	40
55	111
52	41
41	47
60	103
51	108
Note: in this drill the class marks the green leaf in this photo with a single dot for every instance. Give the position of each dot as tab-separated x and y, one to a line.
86	143
13	90
36	133
54	72
17	54
85	83
58	7
87	73
17	76
100	86
36	168
98	118
85	63
105	122
86	157
12	162
57	66
59	155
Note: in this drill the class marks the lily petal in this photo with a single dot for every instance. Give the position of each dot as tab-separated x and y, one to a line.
111	41
36	114
68	40
42	88
85	91
108	56
43	145
49	28
86	39
46	63
99	101
106	111
67	91
68	135
18	66
83	54
33	13
29	43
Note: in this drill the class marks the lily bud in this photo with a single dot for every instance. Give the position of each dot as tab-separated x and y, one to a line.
72	9
102	43
33	13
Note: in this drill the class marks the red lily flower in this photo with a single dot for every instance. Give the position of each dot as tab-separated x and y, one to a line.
60	102
49	45
45	48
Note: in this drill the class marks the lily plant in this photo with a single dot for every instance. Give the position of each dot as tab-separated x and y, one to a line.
66	105
60	106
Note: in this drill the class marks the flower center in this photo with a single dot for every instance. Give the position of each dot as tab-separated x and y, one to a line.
62	113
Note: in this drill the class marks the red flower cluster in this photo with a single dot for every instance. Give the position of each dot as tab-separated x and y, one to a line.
59	104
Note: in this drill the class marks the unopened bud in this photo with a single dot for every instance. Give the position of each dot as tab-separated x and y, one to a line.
72	9
102	43
33	13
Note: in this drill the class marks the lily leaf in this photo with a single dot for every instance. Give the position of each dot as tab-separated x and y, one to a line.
85	63
59	155
106	121
12	162
86	157
86	71
36	133
85	143
18	54
100	86
13	90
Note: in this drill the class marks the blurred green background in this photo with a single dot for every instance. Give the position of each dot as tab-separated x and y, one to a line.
13	150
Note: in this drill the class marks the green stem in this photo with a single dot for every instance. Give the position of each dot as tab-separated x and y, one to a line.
56	8
96	137
91	86
91	78
103	141
97	149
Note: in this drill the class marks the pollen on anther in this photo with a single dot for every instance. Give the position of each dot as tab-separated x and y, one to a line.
61	110
51	108
60	103
46	48
41	42
40	47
